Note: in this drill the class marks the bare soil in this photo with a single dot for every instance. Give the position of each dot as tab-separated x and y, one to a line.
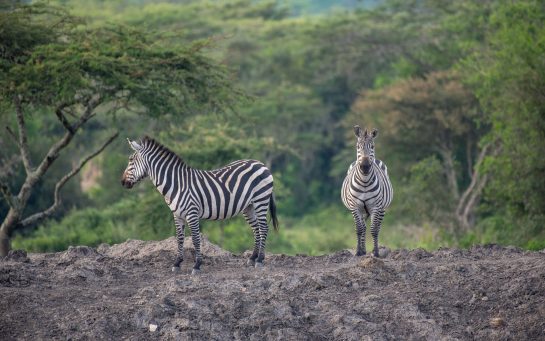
122	291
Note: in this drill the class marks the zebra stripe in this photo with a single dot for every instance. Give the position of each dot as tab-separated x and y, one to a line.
367	190
243	186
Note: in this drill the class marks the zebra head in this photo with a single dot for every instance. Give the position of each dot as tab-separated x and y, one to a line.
365	147
136	169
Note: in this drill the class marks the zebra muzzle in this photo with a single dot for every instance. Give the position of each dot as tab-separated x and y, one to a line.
366	165
126	184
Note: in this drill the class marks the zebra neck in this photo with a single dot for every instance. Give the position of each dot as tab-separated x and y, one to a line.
165	174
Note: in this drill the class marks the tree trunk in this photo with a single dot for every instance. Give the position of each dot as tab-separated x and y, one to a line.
15	214
470	198
465	213
4	243
6	230
450	172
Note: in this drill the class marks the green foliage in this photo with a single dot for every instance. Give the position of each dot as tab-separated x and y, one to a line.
118	64
508	76
440	79
139	218
424	196
327	230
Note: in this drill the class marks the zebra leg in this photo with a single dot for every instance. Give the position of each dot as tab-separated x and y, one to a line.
180	224
360	232
376	218
193	223
249	215
261	214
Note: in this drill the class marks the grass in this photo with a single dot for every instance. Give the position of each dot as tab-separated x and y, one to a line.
321	232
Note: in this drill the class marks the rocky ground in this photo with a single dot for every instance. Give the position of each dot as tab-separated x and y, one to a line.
127	291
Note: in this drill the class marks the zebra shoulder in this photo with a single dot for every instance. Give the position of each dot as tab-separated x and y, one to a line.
350	167
381	165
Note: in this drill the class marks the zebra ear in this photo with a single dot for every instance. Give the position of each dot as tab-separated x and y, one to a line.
357	131
134	145
374	133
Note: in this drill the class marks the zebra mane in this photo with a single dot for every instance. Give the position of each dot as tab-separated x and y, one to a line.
148	141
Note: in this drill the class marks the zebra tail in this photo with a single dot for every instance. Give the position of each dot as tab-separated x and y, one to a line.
272	209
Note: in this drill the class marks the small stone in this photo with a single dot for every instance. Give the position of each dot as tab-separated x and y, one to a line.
383	252
484	298
497	322
370	262
152	327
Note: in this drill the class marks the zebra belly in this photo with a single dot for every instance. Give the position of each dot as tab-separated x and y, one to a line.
365	204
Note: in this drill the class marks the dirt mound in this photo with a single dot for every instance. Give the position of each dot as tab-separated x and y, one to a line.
128	291
138	249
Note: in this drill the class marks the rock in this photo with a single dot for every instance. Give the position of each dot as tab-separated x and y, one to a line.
75	253
383	251
497	322
17	256
370	262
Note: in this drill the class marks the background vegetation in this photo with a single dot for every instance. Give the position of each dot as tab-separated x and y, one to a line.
456	89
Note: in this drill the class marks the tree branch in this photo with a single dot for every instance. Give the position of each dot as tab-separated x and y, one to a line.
90	105
13	135
57	199
23	140
472	201
53	152
474	180
469	157
468	200
62	118
450	171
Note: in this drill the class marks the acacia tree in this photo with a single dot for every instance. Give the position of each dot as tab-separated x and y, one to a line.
54	64
435	115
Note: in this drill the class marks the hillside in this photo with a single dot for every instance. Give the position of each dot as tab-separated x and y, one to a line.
118	291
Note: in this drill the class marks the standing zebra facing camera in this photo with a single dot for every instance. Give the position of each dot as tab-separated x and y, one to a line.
243	186
367	190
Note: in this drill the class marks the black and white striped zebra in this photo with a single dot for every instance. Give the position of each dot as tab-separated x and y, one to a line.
192	194
367	190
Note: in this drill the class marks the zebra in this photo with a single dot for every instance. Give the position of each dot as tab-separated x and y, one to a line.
367	190
192	194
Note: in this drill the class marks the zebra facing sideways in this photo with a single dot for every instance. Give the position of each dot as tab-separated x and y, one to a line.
367	190
243	186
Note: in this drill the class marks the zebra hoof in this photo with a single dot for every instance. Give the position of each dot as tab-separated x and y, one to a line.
250	262
175	269
195	271
259	265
